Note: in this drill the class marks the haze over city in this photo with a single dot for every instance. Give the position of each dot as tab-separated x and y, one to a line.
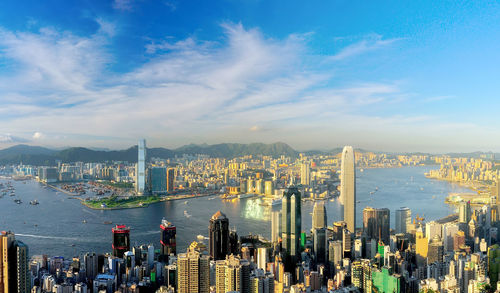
398	76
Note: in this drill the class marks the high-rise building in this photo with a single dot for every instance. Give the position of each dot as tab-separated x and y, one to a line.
14	265
319	218
170	179
140	172
376	223
435	251
421	247
157	180
291	218
305	173
319	245
218	232
348	187
232	275
403	220
121	240
168	233
193	275
464	212
275	226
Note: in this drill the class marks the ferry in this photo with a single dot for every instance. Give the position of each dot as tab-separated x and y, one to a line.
18	201
34	202
186	214
246	195
272	202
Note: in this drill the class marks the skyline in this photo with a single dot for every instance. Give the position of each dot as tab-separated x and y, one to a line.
385	77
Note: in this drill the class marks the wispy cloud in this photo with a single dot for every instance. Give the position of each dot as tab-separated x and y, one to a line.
214	91
124	5
368	43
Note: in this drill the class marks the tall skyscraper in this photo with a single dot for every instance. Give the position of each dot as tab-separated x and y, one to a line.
140	172
305	173
464	212
291	218
168	233
275	226
319	218
170	179
232	275
403	219
193	275
376	223
218	232
348	187
121	240
319	245
157	180
14	265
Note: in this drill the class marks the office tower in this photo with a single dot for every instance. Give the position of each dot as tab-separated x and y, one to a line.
305	173
275	226
319	215
157	180
140	172
361	274
121	240
262	258
232	275
432	229
346	243
319	245
291	218
464	212
268	188
421	247
403	219
435	251
170	179
338	230
348	187
376	224
168	243
90	265
335	254
218	232
193	275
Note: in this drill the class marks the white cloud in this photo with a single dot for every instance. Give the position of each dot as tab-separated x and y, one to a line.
369	43
124	5
38	135
189	90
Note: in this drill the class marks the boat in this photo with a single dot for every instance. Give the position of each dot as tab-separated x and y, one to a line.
246	195
186	214
358	201
34	202
84	221
18	201
107	222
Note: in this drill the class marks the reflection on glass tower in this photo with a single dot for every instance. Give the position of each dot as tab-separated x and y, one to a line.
291	217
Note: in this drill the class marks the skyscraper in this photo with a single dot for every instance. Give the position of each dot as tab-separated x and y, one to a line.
464	212
403	219
232	274
291	218
319	219
275	226
376	223
218	232
167	241
157	180
170	179
305	173
140	172
348	187
193	272
14	265
121	240
319	245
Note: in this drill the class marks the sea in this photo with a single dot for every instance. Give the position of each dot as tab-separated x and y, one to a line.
62	226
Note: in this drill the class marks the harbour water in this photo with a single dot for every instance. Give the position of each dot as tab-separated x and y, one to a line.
62	226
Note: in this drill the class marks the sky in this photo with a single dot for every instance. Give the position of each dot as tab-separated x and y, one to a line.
398	76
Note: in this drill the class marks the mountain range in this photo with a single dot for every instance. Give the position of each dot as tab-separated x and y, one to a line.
36	155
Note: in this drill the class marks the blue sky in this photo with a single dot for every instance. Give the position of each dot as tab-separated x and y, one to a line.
380	75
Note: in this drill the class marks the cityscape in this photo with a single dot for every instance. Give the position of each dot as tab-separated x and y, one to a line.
249	146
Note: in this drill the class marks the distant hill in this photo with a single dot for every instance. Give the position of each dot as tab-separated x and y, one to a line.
35	155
